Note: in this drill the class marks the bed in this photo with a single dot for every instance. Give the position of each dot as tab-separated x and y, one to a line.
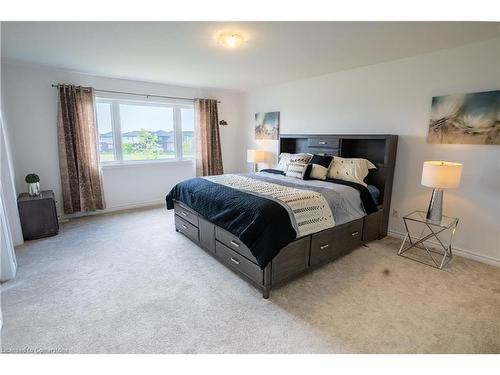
270	228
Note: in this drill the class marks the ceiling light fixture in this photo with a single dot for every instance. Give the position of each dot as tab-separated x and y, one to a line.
230	40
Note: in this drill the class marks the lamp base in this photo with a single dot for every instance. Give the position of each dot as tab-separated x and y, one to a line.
255	167
435	210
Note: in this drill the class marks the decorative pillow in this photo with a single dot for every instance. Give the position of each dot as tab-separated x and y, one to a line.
323	160
317	172
350	169
296	170
301	158
319	165
286	159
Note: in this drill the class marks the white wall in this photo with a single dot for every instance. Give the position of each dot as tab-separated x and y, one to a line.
395	98
232	136
31	112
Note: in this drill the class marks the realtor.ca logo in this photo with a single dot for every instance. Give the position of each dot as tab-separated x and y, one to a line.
30	350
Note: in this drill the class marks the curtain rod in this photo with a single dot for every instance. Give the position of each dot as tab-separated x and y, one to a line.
133	93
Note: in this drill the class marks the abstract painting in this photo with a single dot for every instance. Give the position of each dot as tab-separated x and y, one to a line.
267	125
466	118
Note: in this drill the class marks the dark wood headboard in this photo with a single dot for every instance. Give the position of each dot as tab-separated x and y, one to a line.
379	149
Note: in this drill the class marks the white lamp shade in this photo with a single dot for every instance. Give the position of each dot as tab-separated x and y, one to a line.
441	174
255	156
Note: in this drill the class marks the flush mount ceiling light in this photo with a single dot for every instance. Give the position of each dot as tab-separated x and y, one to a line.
230	40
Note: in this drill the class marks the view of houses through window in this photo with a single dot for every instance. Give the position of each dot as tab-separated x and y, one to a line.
142	130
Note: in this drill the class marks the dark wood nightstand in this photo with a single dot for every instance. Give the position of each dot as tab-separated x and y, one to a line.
38	215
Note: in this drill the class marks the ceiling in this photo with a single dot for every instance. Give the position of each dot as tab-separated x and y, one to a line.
186	53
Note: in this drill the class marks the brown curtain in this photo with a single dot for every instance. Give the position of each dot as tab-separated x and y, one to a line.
208	150
78	152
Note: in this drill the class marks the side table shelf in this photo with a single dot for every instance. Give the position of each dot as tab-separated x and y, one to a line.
437	258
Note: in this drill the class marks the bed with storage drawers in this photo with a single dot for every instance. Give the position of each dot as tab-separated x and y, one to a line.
243	222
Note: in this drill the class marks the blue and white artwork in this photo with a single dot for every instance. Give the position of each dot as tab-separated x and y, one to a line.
466	118
267	125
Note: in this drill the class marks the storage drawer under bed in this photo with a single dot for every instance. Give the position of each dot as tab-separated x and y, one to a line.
186	228
332	243
186	213
239	263
234	243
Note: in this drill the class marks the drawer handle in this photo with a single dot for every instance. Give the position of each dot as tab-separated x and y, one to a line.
354	233
235	244
322	247
235	261
322	142
183	213
185	227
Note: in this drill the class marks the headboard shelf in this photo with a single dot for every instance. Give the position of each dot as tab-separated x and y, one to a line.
380	149
375	148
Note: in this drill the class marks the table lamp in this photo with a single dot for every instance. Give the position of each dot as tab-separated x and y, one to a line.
255	156
439	175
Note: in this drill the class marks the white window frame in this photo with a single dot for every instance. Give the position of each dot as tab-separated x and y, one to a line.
116	100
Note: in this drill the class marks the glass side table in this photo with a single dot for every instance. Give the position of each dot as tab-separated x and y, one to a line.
435	258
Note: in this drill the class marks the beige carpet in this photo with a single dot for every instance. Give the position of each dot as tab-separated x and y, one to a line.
128	283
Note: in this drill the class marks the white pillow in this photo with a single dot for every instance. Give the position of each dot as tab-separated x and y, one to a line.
286	159
318	172
283	161
350	169
296	170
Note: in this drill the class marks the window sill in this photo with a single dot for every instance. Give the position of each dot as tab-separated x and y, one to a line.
143	163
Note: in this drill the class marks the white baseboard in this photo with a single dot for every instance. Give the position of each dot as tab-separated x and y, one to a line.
456	250
108	210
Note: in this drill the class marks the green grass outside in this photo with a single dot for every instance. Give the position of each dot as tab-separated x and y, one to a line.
108	156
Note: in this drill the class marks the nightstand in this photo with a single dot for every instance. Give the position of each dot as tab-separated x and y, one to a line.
38	215
433	229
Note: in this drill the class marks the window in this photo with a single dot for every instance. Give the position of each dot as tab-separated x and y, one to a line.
135	130
187	120
106	148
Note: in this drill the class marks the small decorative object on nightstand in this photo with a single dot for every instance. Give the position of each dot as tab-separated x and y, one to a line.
33	182
38	215
255	157
435	228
